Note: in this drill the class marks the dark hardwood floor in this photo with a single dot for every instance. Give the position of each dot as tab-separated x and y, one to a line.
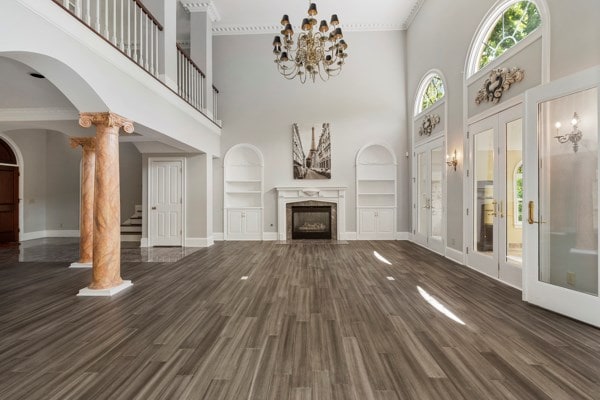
312	321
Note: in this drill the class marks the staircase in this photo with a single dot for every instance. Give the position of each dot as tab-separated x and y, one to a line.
131	230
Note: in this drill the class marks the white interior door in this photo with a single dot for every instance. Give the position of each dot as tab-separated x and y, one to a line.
561	195
496	201
429	195
165	225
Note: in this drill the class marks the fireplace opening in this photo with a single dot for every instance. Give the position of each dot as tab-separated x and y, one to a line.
311	222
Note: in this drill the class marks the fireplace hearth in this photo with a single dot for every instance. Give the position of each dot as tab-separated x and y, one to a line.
311	222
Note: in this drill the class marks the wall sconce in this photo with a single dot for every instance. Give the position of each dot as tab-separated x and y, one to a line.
452	162
574	136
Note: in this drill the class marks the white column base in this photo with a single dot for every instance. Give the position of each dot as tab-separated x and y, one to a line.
80	265
105	292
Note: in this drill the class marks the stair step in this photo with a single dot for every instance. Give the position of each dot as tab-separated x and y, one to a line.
131	238
138	208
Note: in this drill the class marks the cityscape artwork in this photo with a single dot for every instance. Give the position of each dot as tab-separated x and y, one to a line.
312	153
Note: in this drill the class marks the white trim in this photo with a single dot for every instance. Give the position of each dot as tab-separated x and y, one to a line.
348	236
208	7
199	242
492	277
497	109
149	240
269	236
21	166
455	255
144	242
38	114
403	236
218	236
78	265
87	292
223	30
49	234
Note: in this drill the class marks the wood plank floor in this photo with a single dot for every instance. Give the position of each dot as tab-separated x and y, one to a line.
312	321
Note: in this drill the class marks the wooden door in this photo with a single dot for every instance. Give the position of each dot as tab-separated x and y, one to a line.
166	201
9	204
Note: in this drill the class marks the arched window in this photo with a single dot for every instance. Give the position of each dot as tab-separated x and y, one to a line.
504	27
518	194
430	92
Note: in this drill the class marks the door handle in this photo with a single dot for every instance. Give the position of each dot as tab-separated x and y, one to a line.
494	213
501	209
530	208
154	208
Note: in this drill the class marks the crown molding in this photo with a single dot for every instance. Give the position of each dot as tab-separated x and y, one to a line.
222	30
38	114
413	13
202	6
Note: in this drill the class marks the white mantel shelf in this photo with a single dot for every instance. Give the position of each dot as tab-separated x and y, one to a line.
296	194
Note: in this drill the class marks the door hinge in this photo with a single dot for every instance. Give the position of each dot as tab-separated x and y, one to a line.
467	173
414	180
467	250
467	211
468	134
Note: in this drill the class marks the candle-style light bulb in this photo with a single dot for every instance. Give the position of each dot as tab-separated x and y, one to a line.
557	125
574	121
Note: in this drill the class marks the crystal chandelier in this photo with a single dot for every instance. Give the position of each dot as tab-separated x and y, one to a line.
319	52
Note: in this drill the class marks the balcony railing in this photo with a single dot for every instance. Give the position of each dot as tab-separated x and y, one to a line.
191	80
127	24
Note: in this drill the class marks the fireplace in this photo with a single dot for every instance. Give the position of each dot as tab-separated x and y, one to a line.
311	222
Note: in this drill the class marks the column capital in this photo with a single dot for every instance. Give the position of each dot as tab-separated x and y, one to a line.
106	119
87	143
207	6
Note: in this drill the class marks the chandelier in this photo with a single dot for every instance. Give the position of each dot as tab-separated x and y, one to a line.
319	52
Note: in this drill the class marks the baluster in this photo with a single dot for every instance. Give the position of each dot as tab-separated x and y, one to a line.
88	17
151	43
157	33
203	88
106	30
141	41
113	28
147	40
66	4
128	29
121	33
97	17
78	8
134	43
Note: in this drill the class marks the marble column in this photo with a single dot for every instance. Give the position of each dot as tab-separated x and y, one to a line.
86	241
106	270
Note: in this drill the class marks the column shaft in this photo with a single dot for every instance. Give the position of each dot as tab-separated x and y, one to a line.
88	163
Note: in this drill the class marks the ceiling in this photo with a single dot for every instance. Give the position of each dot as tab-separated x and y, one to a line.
263	16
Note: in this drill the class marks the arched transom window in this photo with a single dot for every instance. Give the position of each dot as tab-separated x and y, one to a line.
516	22
431	91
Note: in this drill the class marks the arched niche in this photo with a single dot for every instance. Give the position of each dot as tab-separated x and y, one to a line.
376	190
243	199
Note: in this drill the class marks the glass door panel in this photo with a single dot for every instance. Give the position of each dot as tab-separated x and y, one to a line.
437	181
484	210
513	211
568	192
422	195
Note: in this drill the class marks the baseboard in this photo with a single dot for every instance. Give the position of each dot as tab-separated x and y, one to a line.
144	242
218	236
49	234
199	242
269	236
403	236
348	236
455	255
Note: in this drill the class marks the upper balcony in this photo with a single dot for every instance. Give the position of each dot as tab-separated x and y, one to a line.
120	56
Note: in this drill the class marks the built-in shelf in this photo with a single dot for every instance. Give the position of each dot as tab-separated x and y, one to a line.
376	192
243	193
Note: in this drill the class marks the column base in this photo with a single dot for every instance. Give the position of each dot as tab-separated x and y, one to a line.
80	265
105	292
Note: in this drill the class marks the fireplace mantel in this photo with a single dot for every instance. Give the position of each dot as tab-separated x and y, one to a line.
291	194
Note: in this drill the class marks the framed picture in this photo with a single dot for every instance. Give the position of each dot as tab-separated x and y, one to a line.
311	153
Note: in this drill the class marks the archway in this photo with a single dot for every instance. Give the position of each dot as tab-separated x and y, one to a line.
10	191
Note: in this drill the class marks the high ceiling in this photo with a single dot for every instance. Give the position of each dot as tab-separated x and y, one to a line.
263	16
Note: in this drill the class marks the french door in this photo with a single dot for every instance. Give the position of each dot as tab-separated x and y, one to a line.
561	226
495	204
428	195
165	225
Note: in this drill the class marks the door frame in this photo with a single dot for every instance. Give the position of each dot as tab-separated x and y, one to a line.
564	301
21	170
518	100
151	160
426	147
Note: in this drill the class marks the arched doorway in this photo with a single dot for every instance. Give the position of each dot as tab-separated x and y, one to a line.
9	195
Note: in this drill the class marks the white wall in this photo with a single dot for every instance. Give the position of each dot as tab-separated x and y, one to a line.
365	104
440	36
130	168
